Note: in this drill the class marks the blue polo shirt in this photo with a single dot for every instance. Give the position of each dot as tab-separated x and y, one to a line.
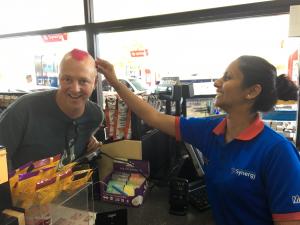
254	179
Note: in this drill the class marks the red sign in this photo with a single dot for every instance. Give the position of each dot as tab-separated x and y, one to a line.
55	37
293	59
139	53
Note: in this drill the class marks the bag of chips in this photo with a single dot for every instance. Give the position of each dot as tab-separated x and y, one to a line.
25	188
46	191
80	178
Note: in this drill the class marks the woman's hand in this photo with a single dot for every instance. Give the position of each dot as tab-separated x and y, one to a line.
107	69
93	144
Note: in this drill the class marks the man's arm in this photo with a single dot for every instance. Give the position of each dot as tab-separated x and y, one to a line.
143	110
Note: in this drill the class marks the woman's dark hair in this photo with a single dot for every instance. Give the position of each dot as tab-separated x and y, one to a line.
286	88
257	70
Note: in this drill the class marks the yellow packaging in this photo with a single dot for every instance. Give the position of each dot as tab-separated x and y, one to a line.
14	175
25	188
129	190
80	178
19	215
48	172
46	191
64	179
45	163
24	168
3	166
13	181
69	166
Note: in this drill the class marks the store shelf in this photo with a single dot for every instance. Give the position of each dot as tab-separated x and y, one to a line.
281	115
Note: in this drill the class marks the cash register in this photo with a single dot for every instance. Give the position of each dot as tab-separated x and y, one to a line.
169	91
169	88
191	172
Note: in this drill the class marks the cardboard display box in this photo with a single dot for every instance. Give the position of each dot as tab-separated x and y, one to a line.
19	216
3	165
135	167
8	220
5	197
127	149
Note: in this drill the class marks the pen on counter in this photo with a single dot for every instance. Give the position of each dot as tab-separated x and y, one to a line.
119	190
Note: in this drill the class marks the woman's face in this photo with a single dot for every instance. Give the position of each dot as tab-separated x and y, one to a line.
230	92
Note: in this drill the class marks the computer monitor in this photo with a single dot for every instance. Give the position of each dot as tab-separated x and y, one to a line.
196	157
192	167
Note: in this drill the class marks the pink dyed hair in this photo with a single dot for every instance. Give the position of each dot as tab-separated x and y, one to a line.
79	54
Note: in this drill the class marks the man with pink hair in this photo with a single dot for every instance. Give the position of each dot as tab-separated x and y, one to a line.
61	121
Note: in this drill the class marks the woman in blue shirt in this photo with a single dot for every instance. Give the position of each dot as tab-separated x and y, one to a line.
252	173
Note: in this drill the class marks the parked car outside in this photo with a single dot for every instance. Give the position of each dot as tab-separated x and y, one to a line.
137	86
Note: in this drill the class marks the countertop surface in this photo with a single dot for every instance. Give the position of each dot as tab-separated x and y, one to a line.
155	211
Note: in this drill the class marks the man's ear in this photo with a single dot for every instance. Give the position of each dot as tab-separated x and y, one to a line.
253	91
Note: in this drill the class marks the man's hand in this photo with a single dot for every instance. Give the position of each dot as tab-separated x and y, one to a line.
93	144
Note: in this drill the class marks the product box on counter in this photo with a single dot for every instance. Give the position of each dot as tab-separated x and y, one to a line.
127	183
5	196
3	165
8	220
14	215
127	149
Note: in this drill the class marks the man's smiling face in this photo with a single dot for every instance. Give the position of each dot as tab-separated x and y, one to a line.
77	81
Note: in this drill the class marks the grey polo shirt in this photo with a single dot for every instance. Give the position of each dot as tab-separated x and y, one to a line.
33	127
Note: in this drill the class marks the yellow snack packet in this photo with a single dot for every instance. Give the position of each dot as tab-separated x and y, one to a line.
48	172
13	175
13	179
47	162
13	182
64	179
69	166
80	178
25	188
24	168
46	191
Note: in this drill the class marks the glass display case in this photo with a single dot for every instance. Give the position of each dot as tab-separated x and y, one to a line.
76	208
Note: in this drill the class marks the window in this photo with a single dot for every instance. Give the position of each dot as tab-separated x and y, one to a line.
19	16
34	60
115	9
197	51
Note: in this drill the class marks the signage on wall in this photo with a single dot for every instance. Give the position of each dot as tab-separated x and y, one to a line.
139	53
293	66
55	37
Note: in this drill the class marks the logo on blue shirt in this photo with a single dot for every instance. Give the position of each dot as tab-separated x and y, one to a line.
296	199
245	173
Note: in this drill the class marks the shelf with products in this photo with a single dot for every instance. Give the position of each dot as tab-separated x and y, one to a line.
121	122
6	98
202	106
283	119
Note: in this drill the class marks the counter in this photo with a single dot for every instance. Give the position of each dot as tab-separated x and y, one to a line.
155	211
